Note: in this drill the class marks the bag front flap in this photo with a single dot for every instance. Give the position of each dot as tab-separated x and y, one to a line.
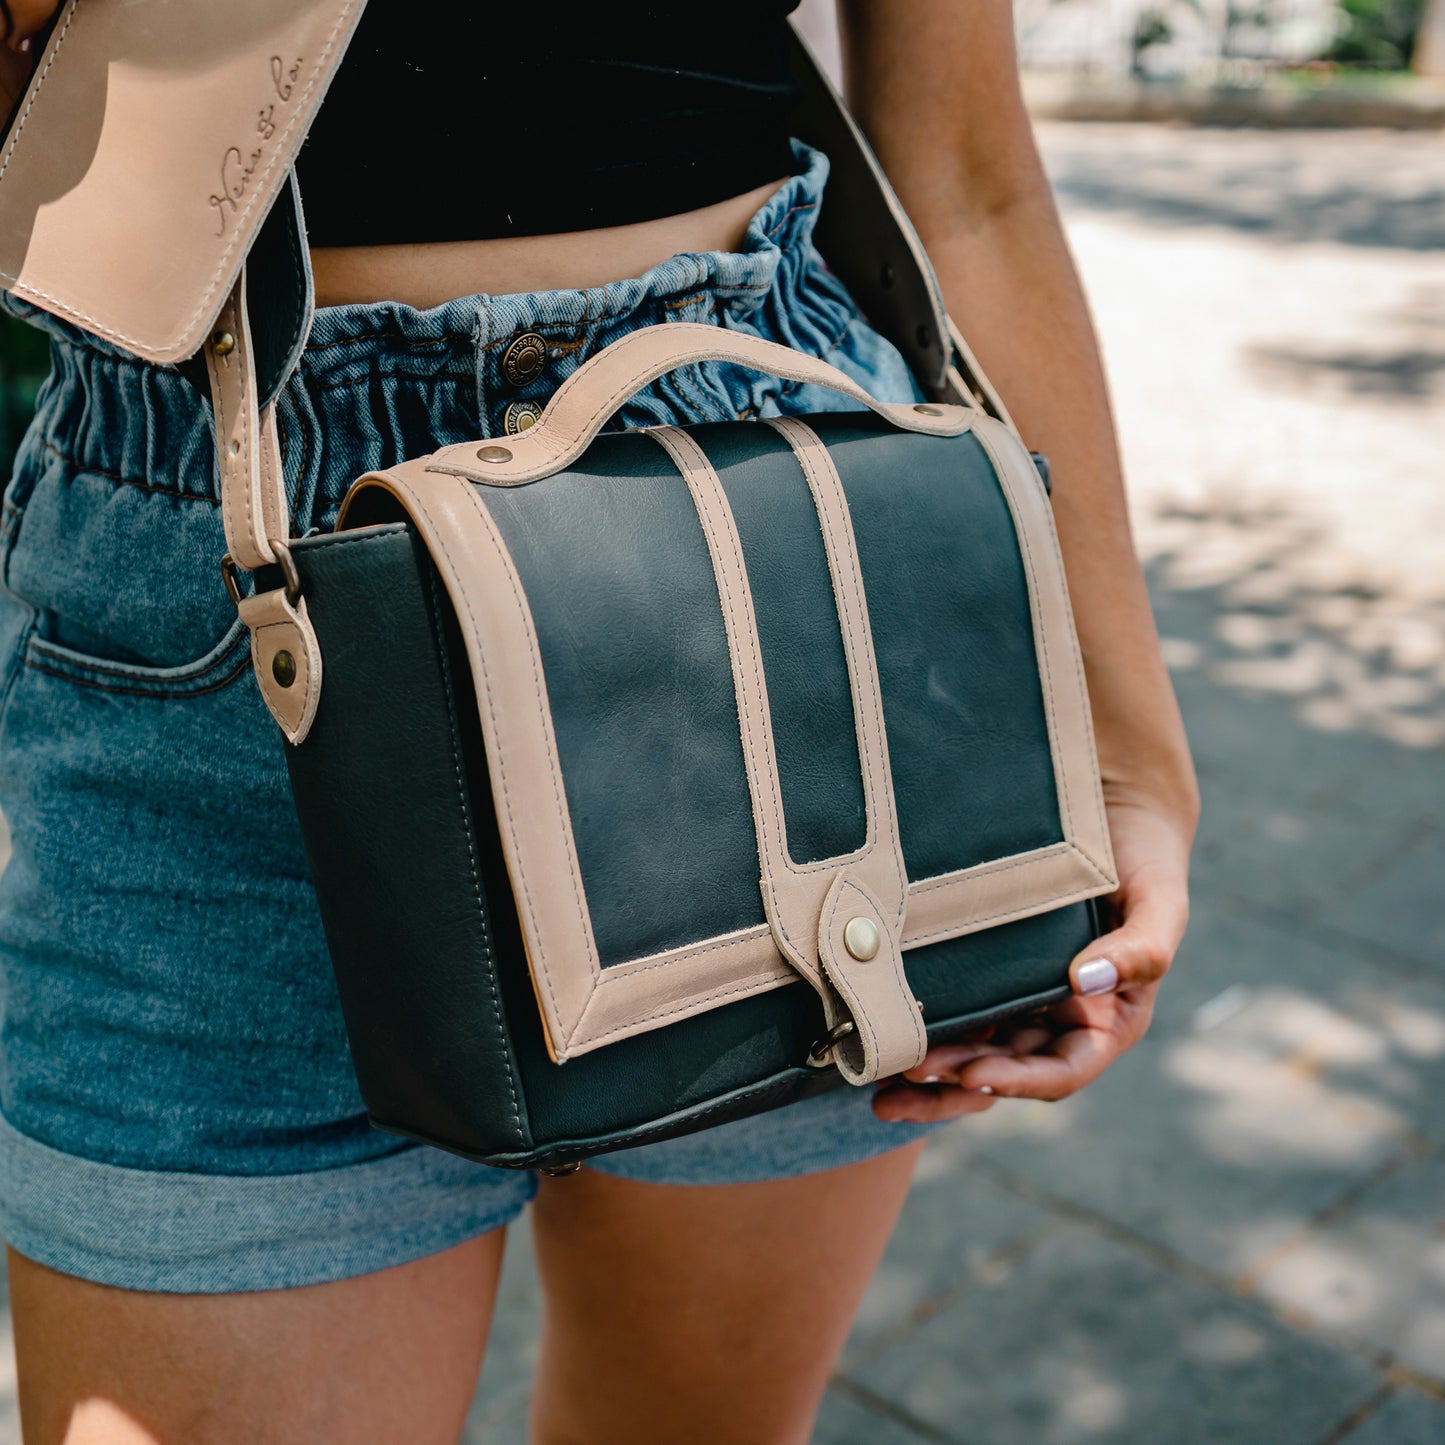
891	724
153	140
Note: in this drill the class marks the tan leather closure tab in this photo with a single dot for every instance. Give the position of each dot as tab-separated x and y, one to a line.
286	659
153	139
582	405
863	962
796	896
253	490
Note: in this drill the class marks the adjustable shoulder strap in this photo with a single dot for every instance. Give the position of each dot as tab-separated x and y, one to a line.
871	245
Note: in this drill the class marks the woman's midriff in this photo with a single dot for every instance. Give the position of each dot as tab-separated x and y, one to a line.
431	273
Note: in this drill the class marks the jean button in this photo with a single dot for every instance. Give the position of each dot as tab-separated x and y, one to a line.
525	359
519	416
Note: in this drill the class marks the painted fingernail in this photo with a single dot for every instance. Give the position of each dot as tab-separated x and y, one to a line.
935	1079
984	1089
24	46
1097	976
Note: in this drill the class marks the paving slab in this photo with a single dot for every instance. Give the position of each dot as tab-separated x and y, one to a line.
1361	1028
1378	1272
843	1421
1403	905
499	1411
1405	1418
1083	1341
954	1226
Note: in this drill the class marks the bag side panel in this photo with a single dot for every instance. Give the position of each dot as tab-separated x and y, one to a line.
385	807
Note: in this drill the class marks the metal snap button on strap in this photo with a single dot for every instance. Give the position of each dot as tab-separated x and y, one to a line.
861	939
525	359
520	415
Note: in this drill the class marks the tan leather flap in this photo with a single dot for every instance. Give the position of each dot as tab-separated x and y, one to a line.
153	139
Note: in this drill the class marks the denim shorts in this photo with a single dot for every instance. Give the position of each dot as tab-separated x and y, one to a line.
179	1108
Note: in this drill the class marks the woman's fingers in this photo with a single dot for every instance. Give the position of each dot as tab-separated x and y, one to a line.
1155	906
24	18
902	1102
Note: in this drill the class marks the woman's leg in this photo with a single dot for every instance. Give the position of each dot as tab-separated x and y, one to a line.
706	1313
379	1358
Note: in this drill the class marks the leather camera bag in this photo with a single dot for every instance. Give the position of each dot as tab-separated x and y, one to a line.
648	778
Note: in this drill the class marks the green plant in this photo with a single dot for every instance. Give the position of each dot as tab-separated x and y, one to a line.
1379	34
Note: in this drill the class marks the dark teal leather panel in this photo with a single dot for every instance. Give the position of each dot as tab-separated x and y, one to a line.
948	604
616	570
385	799
802	648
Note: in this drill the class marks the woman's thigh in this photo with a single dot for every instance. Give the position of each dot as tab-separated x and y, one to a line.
377	1358
711	1314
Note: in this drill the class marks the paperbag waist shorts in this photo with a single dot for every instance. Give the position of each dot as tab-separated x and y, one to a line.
178	1110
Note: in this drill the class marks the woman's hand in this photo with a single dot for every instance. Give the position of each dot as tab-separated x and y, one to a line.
1052	1054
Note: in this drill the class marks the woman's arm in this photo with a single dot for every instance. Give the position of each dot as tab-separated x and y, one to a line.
934	84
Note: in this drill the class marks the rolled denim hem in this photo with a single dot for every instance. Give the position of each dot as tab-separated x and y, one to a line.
828	1131
214	1234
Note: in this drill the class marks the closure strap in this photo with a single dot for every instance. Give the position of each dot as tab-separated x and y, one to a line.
838	921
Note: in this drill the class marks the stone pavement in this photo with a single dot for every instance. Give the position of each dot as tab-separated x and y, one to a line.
1238	1234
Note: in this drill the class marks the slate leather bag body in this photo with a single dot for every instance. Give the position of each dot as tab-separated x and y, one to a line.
648	778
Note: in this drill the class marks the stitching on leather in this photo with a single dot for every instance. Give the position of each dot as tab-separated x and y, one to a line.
850	998
1021	531
613	973
750	986
435	613
35	94
502	770
1003	865
806	444
686	354
282	148
574	871
708	495
1029	910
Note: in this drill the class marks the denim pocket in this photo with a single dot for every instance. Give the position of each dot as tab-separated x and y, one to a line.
222	664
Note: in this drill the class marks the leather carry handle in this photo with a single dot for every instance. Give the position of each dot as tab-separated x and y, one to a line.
582	405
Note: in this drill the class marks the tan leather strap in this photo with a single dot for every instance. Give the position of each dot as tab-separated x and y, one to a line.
253	490
811	906
582	405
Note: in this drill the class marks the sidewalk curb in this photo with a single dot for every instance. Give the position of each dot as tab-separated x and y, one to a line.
1410	104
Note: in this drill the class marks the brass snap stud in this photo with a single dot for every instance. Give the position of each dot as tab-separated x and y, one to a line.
494	454
520	415
860	938
525	359
283	668
924	409
222	342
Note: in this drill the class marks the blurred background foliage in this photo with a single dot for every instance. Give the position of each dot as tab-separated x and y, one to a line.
24	360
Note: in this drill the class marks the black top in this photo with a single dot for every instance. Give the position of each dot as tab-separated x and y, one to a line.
461	121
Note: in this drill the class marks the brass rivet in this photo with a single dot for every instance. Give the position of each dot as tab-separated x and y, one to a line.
923	409
520	415
222	342
525	359
283	668
861	939
494	454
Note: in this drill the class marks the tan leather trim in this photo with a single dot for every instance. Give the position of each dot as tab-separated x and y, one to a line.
151	144
582	405
248	454
277	626
1061	666
796	896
